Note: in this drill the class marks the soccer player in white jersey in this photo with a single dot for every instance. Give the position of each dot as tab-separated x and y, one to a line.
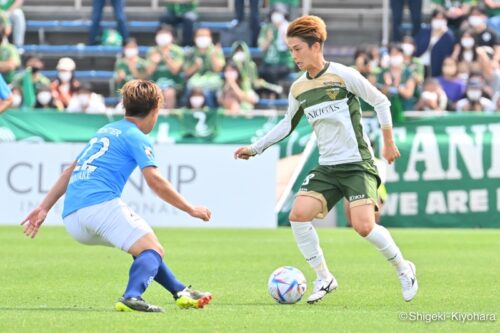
327	94
94	214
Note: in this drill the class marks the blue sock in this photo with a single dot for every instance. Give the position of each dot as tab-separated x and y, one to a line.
142	272
167	279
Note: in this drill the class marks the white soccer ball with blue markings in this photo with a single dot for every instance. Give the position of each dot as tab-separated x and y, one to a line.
287	285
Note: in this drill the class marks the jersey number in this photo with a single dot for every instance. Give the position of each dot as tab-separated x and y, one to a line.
86	165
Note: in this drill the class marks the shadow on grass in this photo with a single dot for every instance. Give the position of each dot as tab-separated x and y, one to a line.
60	309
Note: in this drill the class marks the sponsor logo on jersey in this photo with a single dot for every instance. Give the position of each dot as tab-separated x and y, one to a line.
356	197
322	110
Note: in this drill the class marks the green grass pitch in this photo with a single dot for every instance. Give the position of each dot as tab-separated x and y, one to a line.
53	284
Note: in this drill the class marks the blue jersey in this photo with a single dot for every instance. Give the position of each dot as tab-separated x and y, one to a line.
4	89
105	164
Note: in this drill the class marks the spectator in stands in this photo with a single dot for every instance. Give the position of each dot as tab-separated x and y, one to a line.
15	14
277	62
493	11
183	13
254	23
45	99
475	100
119	12
455	11
65	85
129	66
378	59
363	65
6	98
467	52
368	69
415	7
241	56
483	35
198	119
203	66
38	80
165	65
84	100
453	87
9	57
432	98
398	82
434	43
414	63
236	95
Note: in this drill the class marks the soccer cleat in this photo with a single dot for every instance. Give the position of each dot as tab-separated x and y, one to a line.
136	304
189	298
321	289
409	284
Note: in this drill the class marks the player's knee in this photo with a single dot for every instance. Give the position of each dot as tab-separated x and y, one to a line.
363	228
158	248
299	215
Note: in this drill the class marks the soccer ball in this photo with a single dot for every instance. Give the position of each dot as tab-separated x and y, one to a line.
287	285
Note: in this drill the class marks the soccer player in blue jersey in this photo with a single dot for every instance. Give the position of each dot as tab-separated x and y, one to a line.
94	214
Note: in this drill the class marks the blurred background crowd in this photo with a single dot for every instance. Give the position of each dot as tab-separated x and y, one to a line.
447	59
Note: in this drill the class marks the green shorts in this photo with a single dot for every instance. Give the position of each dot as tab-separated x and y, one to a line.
357	182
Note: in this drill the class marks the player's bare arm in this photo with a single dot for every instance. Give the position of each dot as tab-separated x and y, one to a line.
389	150
34	220
167	192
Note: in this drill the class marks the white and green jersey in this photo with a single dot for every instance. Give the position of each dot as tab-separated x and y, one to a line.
330	103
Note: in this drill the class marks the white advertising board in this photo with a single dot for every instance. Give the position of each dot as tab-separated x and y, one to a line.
240	194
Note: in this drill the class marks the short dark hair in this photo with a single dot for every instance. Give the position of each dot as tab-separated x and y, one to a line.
140	97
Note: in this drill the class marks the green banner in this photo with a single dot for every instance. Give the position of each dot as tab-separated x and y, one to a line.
54	126
448	174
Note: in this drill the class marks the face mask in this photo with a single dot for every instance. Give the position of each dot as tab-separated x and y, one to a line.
83	99
396	60
239	56
429	95
197	101
474	95
463	76
203	42
163	39
438	24
44	97
277	18
64	76
131	52
231	75
16	100
475	20
467	42
408	49
449	70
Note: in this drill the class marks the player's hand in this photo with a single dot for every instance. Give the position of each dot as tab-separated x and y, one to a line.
390	152
34	221
244	153
201	212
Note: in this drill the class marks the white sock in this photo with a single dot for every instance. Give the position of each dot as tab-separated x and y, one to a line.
308	243
381	238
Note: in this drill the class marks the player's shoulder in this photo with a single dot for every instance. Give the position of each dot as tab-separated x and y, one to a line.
295	87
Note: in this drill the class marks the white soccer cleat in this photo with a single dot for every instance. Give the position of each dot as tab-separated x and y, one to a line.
321	289
409	284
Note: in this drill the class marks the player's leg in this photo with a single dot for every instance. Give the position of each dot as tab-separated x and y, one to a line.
304	210
361	191
315	198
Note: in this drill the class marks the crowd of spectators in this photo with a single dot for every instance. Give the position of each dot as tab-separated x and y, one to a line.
452	63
